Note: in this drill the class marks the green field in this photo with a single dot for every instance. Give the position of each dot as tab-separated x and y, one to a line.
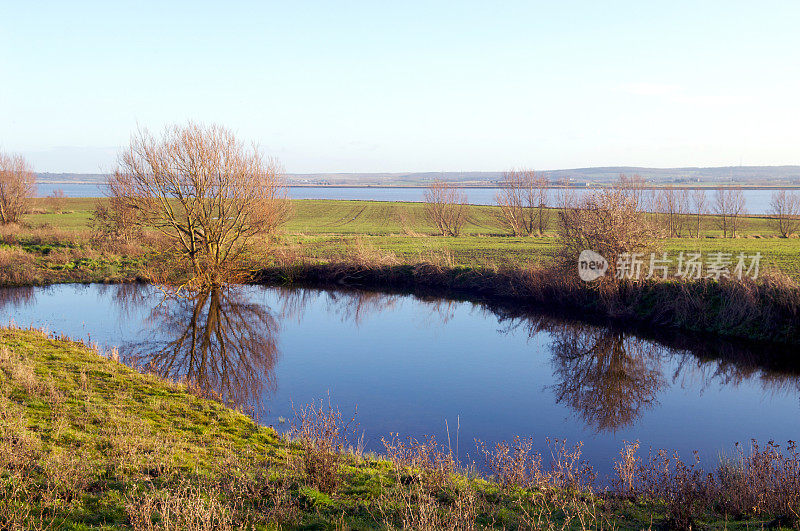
327	229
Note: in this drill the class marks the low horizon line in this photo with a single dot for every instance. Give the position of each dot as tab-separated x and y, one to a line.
551	170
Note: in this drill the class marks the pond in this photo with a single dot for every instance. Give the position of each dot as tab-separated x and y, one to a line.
418	366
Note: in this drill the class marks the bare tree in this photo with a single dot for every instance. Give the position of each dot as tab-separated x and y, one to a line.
216	342
722	209
445	206
540	199
729	206
607	222
206	192
673	204
511	201
114	219
785	206
738	209
609	378
634	189
565	196
698	198
57	200
17	186
522	200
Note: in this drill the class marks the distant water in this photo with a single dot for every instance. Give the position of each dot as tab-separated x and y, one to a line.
757	200
418	366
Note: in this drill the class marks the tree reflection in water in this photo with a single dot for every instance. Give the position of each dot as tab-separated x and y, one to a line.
216	342
17	297
350	305
226	347
609	378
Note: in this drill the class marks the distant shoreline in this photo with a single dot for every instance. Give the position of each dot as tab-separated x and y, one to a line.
709	186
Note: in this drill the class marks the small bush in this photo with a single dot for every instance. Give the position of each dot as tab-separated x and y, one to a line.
323	435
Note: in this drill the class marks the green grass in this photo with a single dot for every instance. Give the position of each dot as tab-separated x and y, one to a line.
378	218
62	399
75	216
324	229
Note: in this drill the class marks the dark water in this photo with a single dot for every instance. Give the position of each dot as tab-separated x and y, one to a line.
757	200
410	364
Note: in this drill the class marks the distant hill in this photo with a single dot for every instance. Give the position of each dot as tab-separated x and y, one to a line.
70	178
763	175
745	175
725	174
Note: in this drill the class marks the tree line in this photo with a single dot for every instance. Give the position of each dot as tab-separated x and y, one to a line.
526	200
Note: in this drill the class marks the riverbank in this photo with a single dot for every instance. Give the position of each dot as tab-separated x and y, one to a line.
86	442
390	245
764	310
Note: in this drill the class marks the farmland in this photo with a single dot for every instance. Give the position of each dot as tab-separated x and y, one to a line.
327	229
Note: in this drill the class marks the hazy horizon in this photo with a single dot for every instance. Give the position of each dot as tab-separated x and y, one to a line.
767	176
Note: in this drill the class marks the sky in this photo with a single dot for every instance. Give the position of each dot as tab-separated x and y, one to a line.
380	86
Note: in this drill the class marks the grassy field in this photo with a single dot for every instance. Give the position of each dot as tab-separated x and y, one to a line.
327	229
86	442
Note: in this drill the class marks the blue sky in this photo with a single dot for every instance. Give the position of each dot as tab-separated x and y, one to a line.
408	86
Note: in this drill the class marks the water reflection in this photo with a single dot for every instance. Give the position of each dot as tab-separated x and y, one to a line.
16	297
225	345
350	306
216	341
608	378
410	363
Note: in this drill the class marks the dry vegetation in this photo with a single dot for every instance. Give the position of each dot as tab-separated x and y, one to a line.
44	254
122	244
17	186
610	222
86	443
729	207
765	309
522	270
57	200
675	205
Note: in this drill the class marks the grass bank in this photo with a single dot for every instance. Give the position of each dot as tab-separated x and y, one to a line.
765	310
86	442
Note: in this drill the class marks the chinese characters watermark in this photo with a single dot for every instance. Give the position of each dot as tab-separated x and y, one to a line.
685	266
